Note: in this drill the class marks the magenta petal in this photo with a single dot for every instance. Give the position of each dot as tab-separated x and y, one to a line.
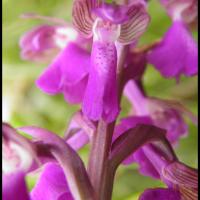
176	54
49	81
74	93
14	187
51	185
160	194
67	74
100	100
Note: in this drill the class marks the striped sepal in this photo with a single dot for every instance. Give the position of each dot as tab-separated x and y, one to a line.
188	193
136	26
186	178
82	16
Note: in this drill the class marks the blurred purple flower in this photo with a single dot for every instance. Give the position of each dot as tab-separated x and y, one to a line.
164	114
107	23
45	41
176	54
184	10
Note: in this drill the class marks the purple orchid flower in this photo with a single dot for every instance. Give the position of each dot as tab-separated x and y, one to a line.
182	181
165	114
68	73
183	59
45	41
108	24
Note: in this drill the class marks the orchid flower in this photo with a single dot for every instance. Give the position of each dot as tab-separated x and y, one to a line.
60	76
47	40
182	181
165	114
107	24
183	58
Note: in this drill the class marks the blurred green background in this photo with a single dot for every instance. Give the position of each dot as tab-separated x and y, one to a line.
24	104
